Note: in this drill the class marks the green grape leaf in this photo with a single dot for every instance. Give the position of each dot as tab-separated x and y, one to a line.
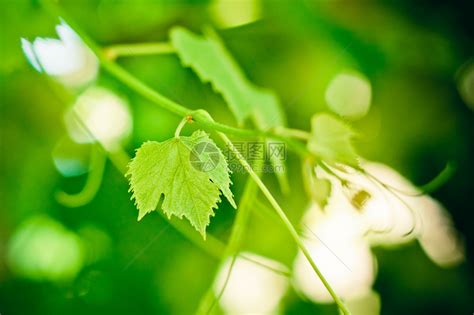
212	63
188	171
331	139
206	153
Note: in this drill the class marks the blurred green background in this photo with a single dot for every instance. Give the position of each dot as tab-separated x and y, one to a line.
415	55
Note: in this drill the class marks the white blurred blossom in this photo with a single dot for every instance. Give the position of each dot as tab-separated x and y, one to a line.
387	216
99	114
438	238
251	288
394	212
68	59
335	241
383	209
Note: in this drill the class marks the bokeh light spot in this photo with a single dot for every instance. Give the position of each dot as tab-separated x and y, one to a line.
104	116
43	249
231	13
349	95
70	158
466	85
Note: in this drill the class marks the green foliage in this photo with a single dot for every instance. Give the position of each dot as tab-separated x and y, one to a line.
170	168
218	169
208	57
331	139
212	63
300	47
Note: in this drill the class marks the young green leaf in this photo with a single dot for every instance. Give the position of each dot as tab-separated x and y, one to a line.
188	171
331	139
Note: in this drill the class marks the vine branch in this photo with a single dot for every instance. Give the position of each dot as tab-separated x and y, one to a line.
289	226
160	100
206	121
138	49
233	246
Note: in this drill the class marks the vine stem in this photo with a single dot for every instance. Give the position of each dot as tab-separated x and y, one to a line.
137	49
180	127
119	158
289	226
158	99
93	182
208	301
293	133
204	119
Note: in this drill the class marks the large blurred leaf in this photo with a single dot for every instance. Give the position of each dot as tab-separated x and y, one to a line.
213	63
268	113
